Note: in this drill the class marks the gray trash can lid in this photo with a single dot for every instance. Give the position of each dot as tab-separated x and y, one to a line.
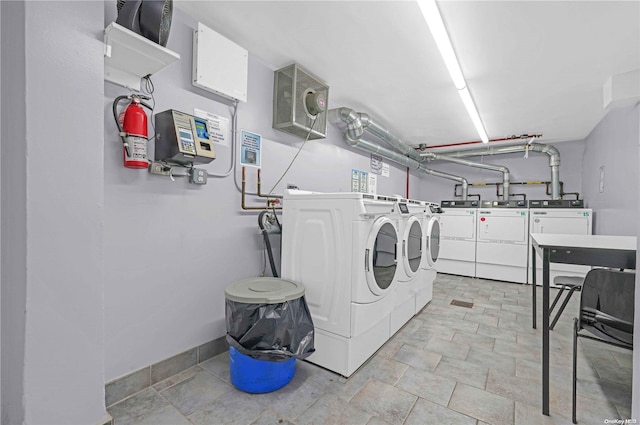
264	290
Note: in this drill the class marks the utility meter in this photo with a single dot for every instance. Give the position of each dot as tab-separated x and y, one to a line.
182	138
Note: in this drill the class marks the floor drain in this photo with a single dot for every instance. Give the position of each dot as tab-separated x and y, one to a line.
462	303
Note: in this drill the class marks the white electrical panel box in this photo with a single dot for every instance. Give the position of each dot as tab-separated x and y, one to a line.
219	65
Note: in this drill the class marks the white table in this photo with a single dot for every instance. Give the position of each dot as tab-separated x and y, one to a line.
589	250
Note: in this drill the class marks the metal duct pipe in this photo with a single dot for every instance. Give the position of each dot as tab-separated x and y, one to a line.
357	122
506	174
395	142
407	162
552	152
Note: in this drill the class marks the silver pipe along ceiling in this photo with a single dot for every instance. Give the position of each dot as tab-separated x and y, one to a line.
408	156
358	123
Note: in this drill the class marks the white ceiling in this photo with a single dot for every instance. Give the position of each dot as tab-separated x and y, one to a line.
531	66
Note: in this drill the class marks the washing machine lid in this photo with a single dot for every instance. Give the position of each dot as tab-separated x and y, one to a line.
412	246
264	290
433	241
381	256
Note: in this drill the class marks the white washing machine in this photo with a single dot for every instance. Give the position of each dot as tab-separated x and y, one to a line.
430	253
343	248
409	215
503	241
559	216
458	227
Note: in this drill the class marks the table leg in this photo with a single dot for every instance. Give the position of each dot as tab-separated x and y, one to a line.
533	276
545	332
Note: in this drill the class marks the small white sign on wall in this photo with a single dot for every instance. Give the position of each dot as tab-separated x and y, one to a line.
359	181
250	149
373	183
385	169
218	126
602	179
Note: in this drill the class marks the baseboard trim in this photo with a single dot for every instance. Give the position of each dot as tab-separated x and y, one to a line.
125	386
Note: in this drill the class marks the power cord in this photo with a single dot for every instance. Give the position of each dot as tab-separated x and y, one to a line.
148	89
315	117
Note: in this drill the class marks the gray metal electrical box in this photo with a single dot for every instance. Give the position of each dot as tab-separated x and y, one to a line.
183	139
300	103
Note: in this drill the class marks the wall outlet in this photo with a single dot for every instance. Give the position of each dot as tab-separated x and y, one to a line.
160	169
198	176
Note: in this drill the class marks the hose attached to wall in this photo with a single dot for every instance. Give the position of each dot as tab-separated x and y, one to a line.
267	242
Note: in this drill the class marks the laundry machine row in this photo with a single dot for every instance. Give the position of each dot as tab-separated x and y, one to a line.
492	242
359	257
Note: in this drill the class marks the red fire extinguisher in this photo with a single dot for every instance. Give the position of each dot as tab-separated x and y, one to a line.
132	123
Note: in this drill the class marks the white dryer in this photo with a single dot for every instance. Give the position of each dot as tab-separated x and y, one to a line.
430	254
343	248
503	240
408	213
458	222
563	216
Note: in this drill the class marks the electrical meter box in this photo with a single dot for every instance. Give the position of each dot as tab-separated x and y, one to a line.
183	139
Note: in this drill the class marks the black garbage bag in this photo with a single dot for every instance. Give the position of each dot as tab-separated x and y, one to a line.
274	332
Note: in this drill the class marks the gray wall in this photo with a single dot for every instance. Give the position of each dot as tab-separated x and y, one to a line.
13	218
52	165
533	168
613	143
635	401
171	248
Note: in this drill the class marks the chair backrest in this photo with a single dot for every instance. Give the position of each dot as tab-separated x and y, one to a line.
611	292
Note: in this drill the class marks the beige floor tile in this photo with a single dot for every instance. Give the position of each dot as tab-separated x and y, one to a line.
492	360
417	357
385	401
330	410
529	415
427	385
453	349
482	405
513	387
474	340
462	371
426	412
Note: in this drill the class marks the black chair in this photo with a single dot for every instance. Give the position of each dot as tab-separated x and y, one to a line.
571	283
606	312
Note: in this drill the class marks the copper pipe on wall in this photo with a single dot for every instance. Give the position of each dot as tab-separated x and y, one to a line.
270	204
260	193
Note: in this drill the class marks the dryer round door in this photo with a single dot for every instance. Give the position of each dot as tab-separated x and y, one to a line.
412	246
433	241
381	256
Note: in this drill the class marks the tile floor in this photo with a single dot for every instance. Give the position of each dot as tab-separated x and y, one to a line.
448	365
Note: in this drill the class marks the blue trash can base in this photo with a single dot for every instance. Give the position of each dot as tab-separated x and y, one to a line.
259	376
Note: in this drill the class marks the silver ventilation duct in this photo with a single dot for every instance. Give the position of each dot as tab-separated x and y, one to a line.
407	162
409	157
552	152
506	181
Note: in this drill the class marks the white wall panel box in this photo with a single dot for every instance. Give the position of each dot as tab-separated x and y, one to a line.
219	65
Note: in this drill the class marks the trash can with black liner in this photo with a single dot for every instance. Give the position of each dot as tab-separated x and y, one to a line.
268	326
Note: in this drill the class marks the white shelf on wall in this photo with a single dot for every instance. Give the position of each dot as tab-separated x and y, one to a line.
129	56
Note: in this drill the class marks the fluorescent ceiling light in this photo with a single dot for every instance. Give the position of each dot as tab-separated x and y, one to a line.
431	14
473	113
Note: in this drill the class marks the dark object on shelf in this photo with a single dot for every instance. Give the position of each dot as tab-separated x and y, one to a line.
149	18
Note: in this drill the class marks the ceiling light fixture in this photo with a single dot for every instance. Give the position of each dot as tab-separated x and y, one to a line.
431	14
